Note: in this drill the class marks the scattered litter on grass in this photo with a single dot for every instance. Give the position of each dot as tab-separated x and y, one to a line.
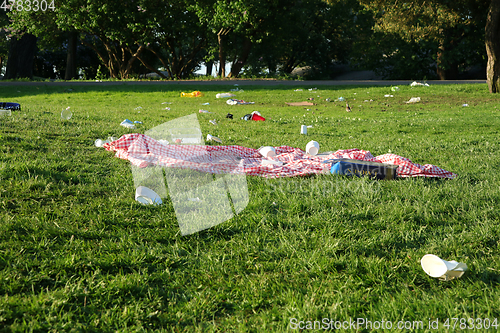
465	104
394	88
129	124
138	108
341	99
229	116
204	111
213	138
207	103
166	103
303	129
167	108
350	167
192	94
311	89
224	95
147	196
442	269
254	116
299	90
415	84
213	122
66	114
238	102
413	100
10	106
388	95
309	126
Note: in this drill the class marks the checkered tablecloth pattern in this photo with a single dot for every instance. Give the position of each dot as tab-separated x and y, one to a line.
143	151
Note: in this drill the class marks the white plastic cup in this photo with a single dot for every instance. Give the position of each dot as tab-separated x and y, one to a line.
267	151
312	148
442	269
303	129
147	196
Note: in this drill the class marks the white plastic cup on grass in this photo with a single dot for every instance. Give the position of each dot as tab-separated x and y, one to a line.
303	129
312	148
442	269
147	196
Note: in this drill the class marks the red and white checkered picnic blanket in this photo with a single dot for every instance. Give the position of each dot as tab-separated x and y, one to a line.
142	151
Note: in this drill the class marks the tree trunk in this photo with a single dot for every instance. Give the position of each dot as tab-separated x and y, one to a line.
208	64
492	35
21	57
236	68
70	72
222	56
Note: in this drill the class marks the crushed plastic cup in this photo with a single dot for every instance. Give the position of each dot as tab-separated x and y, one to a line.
267	151
312	148
147	196
442	269
66	114
213	138
224	95
413	100
127	123
303	129
257	116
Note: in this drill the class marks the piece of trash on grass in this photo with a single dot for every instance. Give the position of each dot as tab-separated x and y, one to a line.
204	111
359	168
10	106
299	90
66	114
267	151
413	100
127	123
311	89
388	95
192	94
300	104
138	108
167	108
394	88
213	122
213	138
442	269
465	104
166	103
207	103
341	99
147	196
238	102
229	116
303	129
312	148
253	116
415	83
309	126
224	95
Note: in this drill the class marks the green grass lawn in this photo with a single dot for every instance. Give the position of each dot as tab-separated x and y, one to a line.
78	253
